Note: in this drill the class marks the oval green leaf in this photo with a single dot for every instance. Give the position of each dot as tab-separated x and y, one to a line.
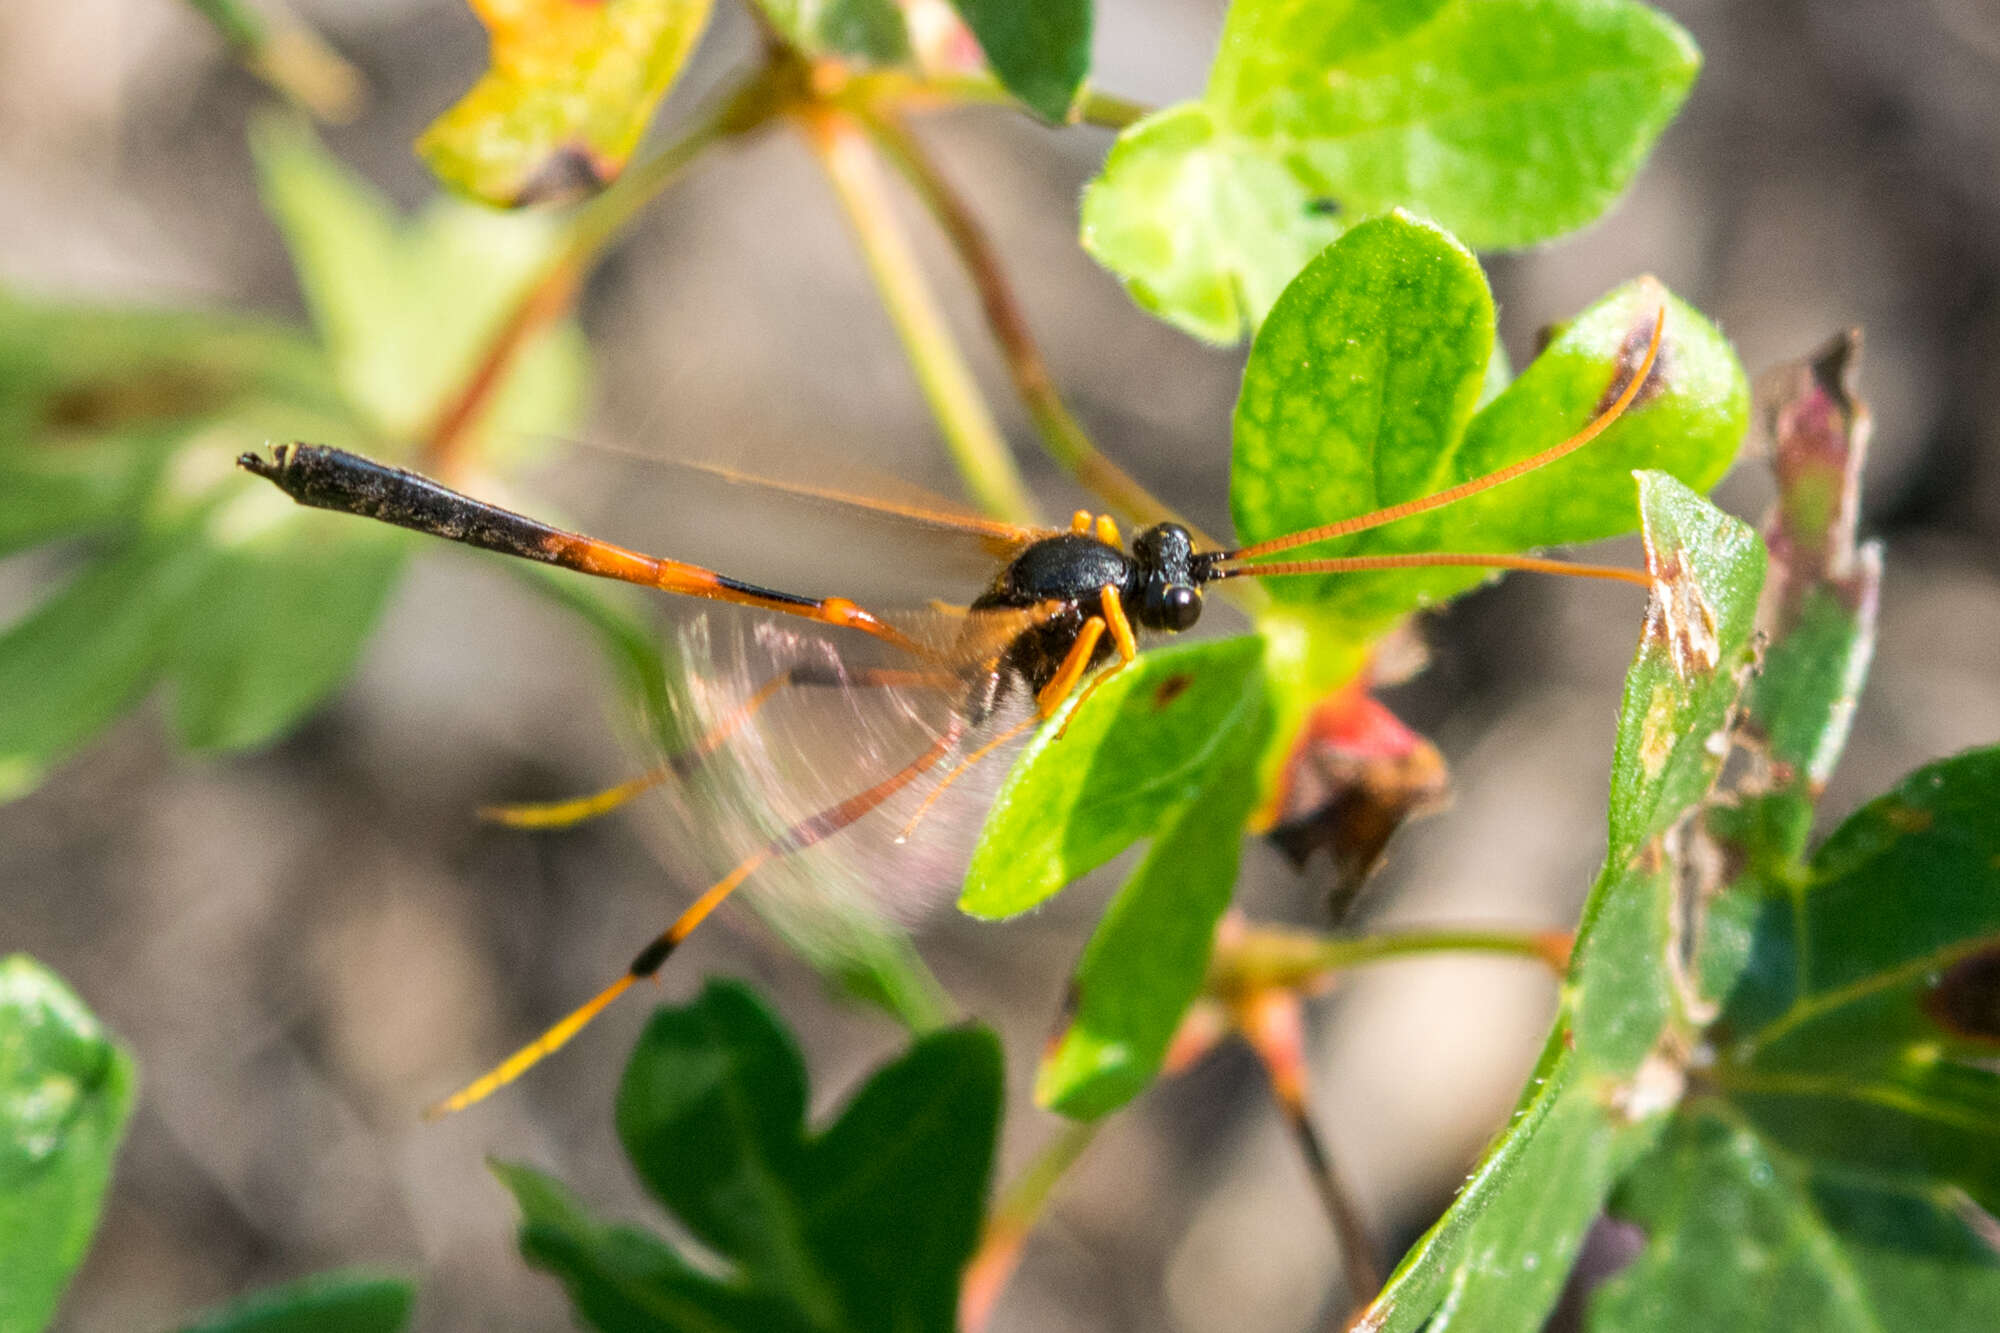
1359	386
1147	958
1040	49
65	1092
325	1303
1509	121
1133	753
1688	422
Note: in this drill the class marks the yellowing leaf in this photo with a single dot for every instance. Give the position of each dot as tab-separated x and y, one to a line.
572	86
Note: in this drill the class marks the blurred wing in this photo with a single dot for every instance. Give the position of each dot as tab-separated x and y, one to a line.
916	507
886	499
846	716
966	640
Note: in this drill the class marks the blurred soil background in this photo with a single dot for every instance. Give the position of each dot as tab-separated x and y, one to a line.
306	946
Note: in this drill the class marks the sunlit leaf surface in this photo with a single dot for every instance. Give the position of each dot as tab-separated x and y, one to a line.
1509	121
570	91
1607	1081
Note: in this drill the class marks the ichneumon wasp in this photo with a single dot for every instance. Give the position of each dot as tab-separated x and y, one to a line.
1064	604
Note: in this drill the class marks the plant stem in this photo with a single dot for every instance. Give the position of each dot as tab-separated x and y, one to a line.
1062	435
1008	1225
1269	956
291	58
1273	1022
591	228
970	433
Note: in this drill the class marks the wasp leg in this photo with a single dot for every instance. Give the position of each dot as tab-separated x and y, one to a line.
964	766
1080	521
650	959
576	809
1077	661
1107	531
1120	625
1122	638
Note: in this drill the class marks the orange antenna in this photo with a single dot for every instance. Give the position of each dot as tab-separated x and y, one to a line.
1355	564
1377	518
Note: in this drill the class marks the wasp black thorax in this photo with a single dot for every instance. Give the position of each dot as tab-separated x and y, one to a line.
1156	583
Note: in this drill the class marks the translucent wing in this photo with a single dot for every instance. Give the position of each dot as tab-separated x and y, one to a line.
791	722
876	498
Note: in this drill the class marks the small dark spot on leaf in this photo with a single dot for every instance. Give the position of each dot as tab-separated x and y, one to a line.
571	172
1170	689
1323	207
1965	1001
1906	818
1630	353
155	393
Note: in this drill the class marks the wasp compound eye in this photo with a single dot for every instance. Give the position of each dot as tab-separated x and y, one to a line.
1179	607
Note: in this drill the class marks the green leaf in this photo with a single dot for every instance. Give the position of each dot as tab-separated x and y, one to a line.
1805	696
405	308
623	1280
1708	570
65	1092
121	427
94	399
864	1226
570	92
251	608
1862	1030
869	31
1509	121
1360	386
1357	396
1850	1103
87	653
1039	49
1746	1236
275	623
1609	1076
1166	750
1142	746
325	1303
1147	958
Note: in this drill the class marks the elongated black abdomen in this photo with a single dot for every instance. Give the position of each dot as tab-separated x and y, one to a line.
328	478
